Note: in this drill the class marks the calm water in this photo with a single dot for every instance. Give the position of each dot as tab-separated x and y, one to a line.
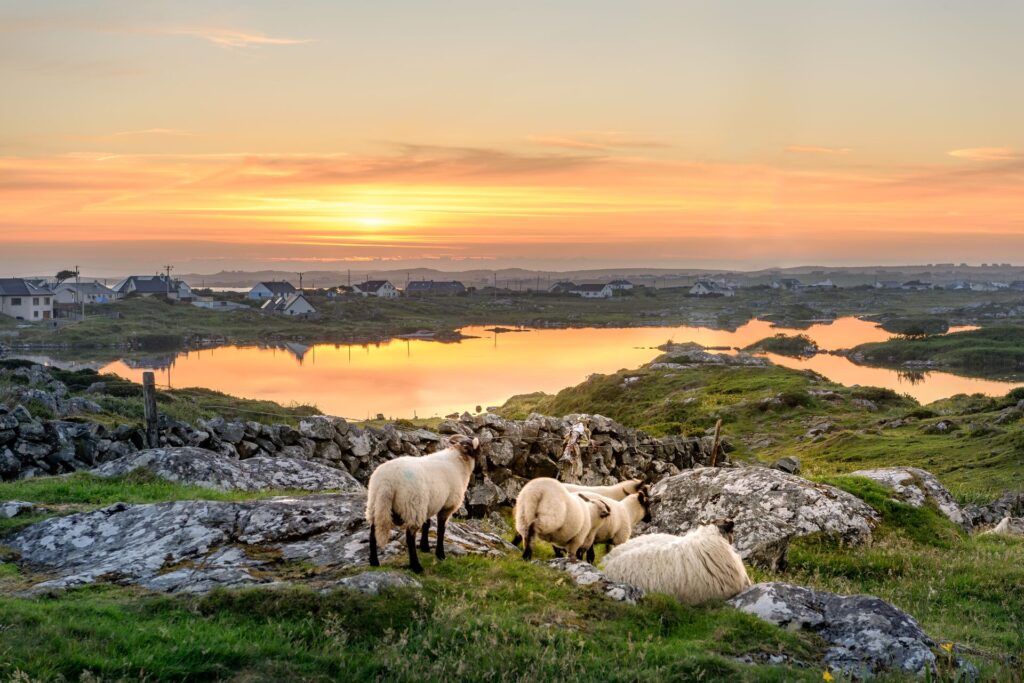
406	378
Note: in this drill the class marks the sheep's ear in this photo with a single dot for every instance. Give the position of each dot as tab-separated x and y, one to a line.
605	510
725	526
476	443
643	498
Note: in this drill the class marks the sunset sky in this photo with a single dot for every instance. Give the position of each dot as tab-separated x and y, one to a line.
463	134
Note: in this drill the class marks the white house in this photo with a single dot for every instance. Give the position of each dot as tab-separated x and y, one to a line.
787	283
711	288
154	285
379	288
270	290
620	285
916	285
562	287
594	291
23	300
292	304
87	292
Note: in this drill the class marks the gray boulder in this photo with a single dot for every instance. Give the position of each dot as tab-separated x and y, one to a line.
769	508
789	463
196	545
10	509
372	583
866	635
585	574
916	487
200	467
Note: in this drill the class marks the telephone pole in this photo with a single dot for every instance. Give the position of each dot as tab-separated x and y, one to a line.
168	270
78	292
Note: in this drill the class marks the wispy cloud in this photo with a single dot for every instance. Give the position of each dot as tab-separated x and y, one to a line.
173	132
816	149
601	141
228	37
987	154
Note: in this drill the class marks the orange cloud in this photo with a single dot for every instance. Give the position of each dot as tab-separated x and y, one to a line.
598	141
986	154
229	37
814	149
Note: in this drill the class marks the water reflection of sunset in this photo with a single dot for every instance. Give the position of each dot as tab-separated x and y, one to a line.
403	378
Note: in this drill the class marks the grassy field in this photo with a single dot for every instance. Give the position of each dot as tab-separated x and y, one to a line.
991	350
497	619
767	412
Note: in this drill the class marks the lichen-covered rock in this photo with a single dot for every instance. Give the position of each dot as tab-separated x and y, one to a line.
196	545
915	487
15	508
769	507
866	635
200	467
585	574
372	583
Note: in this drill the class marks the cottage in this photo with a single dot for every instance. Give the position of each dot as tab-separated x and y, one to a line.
915	285
270	290
292	304
563	287
620	285
154	285
787	283
594	291
711	288
887	284
84	292
378	288
432	288
23	300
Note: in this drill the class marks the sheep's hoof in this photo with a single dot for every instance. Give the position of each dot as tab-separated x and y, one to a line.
374	562
425	547
441	555
416	568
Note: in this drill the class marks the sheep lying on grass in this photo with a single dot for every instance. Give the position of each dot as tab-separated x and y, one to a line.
617	527
615	492
545	510
696	568
406	492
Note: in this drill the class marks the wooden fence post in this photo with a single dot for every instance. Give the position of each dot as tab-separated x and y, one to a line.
149	406
714	445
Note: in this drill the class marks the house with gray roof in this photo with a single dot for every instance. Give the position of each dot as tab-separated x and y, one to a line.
23	300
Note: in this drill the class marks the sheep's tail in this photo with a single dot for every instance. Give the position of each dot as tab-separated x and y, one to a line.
379	511
526	512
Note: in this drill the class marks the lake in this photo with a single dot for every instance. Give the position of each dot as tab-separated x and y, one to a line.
422	378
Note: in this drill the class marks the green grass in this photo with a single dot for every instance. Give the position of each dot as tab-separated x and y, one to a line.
991	350
475	619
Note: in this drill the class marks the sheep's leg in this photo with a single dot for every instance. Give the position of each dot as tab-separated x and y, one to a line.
424	542
442	525
374	560
410	542
517	539
590	555
558	551
528	543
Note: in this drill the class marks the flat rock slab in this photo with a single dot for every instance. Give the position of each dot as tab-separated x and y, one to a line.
866	634
769	507
10	509
916	487
197	545
372	583
200	467
585	574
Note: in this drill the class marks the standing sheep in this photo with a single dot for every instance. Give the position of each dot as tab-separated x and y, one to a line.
406	492
615	492
696	568
617	527
545	510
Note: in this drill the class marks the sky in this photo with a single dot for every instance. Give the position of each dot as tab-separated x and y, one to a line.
459	134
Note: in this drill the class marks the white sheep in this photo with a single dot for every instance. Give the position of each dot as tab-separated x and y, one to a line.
617	527
615	492
545	510
697	567
406	492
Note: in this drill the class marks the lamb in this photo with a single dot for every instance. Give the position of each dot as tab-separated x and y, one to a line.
615	492
697	567
406	492
545	510
618	526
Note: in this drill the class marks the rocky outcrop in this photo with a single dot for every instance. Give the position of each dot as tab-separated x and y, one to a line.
373	583
585	574
917	487
194	546
200	467
769	508
1010	504
866	635
10	509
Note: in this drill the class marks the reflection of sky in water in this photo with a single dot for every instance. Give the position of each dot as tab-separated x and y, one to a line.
403	378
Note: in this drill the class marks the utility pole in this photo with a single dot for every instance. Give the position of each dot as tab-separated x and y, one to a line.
168	270
300	281
78	292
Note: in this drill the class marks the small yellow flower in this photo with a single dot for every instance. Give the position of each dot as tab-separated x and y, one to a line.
948	647
826	676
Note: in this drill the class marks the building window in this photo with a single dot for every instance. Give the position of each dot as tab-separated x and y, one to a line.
16	301
35	301
35	314
46	301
